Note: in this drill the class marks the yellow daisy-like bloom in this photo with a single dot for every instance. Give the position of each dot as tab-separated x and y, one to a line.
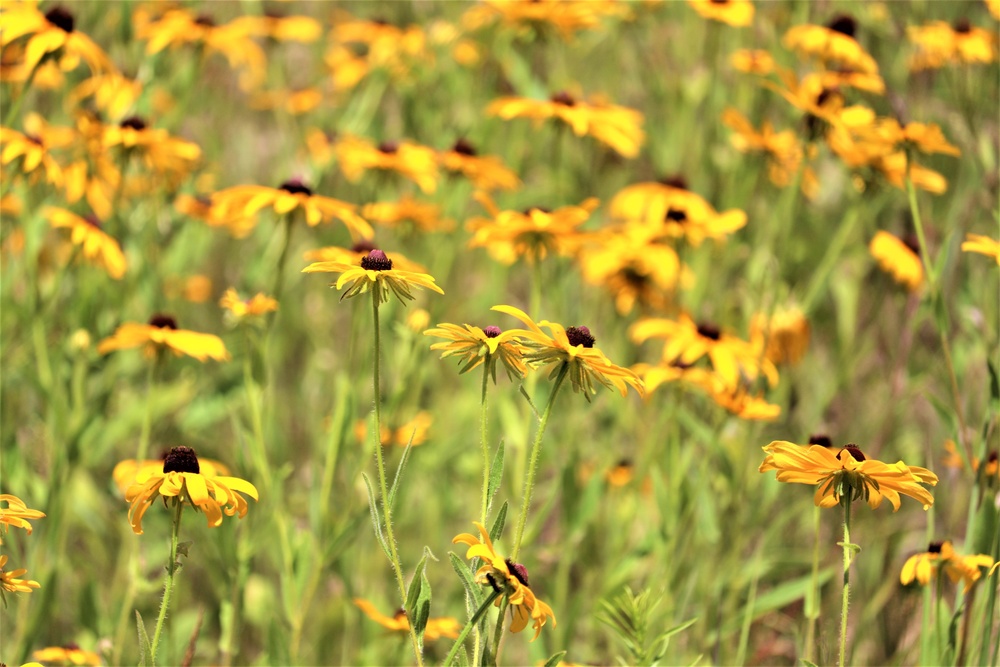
158	150
69	654
34	147
97	246
531	234
356	253
180	478
737	13
111	92
983	245
393	48
424	216
899	259
566	16
787	334
741	403
893	167
573	347
240	308
356	155
783	150
615	126
487	172
669	209
435	628
411	434
49	33
674	371
303	29
475	346
293	101
127	472
924	137
10	581
923	566
347	68
847	474
238	206
833	43
940	44
620	474
16	513
374	272
508	577
752	61
162	334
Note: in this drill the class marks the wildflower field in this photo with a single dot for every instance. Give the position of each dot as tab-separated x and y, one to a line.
500	332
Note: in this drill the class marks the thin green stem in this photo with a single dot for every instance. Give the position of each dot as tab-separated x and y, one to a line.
15	108
386	509
812	601
845	600
279	279
256	419
529	475
498	631
484	438
168	586
147	415
473	623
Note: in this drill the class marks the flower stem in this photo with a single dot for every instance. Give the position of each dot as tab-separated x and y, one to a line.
845	600
812	602
486	447
386	509
473	623
529	479
147	416
171	572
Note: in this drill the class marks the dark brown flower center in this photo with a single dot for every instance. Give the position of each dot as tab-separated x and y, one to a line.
400	613
962	26
826	96
856	452
580	336
675	181
540	209
34	139
133	122
60	18
519	571
912	242
295	186
389	147
719	2
205	20
563	98
844	24
181	459
820	439
709	331
624	463
992	457
934	547
363	246
376	261
161	321
675	215
492	331
463	147
92	220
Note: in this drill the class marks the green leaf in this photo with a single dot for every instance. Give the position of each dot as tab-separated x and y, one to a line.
498	523
994	381
807	663
145	649
399	470
554	660
463	657
538	415
376	521
496	475
471	587
418	597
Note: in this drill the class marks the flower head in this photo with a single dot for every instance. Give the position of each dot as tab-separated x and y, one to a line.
128	471
161	334
670	210
899	259
737	13
69	654
423	216
158	150
374	271
11	582
239	308
34	146
832	44
52	33
566	16
487	172
787	334
435	628
16	513
97	246
847	474
509	578
475	346
923	566
356	155
983	245
939	44
181	479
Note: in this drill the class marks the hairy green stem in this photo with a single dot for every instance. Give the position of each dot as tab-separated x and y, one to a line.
484	438
812	601
171	573
845	600
147	415
473	623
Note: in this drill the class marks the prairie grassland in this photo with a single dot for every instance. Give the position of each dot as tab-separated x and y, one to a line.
734	225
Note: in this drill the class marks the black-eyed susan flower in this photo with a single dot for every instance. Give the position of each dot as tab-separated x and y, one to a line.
740	402
156	148
566	16
128	471
752	61
295	101
833	44
615	126
412	433
34	147
356	155
621	473
374	272
573	348
737	13
10	581
982	245
110	92
238	206
939	44
475	346
423	216
70	654
783	150
238	308
923	567
787	334
847	473
532	234
435	628
50	33
923	137
357	252
97	246
16	513
665	372
181	479
303	29
486	172
508	578
162	334
346	67
670	210
899	259
396	49
894	167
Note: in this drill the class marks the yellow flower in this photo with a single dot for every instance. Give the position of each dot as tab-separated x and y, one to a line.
389	47
196	288
356	253
34	147
738	13
783	151
893	168
435	628
303	29
475	346
573	347
983	245
923	566
347	68
752	61
411	434
356	155
238	206
374	271
16	513
293	101
127	472
10	582
740	403
847	473
486	172
69	654
615	126
49	33
423	216
111	93
158	150
181	479
97	246
670	210
674	371
621	474
531	234
566	16
925	137
939	44
258	305
787	334
899	259
162	333
833	43
508	577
